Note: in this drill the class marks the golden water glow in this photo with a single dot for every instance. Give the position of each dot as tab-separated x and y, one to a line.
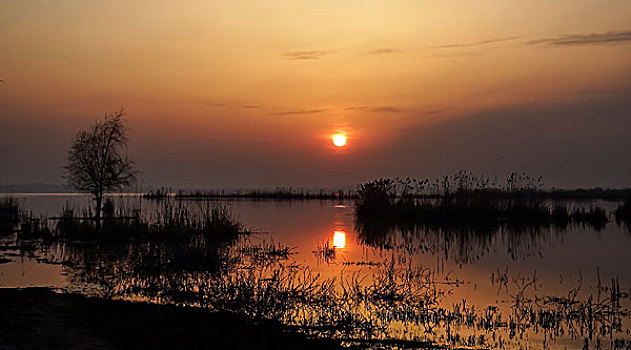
339	239
339	140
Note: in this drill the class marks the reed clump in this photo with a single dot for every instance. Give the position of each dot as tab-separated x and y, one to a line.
172	221
465	199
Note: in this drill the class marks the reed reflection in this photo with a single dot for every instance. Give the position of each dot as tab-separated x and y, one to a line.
354	307
463	245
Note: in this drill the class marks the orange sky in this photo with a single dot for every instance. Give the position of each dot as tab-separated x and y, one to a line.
247	93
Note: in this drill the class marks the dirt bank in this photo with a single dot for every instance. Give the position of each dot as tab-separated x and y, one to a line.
38	318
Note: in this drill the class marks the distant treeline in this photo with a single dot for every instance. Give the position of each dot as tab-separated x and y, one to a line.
586	193
461	182
280	193
574	194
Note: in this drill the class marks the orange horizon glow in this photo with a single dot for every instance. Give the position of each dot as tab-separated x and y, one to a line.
318	93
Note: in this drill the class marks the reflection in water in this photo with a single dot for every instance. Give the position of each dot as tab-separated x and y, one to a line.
461	244
339	239
400	300
389	287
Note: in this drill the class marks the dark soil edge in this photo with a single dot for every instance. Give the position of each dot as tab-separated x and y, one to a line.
39	318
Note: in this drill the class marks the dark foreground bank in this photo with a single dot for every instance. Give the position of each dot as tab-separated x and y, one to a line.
38	318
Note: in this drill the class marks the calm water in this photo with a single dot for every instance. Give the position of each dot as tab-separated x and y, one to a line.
500	274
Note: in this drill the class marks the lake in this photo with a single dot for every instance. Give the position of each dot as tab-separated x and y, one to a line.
532	288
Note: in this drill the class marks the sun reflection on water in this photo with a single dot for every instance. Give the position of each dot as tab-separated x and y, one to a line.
339	239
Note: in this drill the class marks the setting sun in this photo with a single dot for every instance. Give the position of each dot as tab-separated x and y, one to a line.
339	140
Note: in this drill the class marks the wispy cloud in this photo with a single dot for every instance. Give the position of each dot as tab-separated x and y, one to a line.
383	51
300	111
355	108
386	109
249	106
586	39
435	111
305	55
454	54
376	109
477	43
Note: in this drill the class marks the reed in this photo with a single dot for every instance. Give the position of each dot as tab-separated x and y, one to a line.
172	221
467	200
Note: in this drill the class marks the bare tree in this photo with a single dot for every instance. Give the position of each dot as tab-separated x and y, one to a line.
97	160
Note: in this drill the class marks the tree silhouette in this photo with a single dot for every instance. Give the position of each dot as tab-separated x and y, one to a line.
97	160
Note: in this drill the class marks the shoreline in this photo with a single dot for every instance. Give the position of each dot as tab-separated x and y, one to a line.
40	318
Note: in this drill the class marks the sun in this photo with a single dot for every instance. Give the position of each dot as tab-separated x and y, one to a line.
339	140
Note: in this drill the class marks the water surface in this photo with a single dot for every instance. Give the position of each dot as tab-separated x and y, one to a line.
502	275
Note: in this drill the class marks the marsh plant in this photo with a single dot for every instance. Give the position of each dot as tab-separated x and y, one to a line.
467	200
173	220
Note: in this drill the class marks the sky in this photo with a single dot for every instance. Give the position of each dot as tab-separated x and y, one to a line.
244	94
